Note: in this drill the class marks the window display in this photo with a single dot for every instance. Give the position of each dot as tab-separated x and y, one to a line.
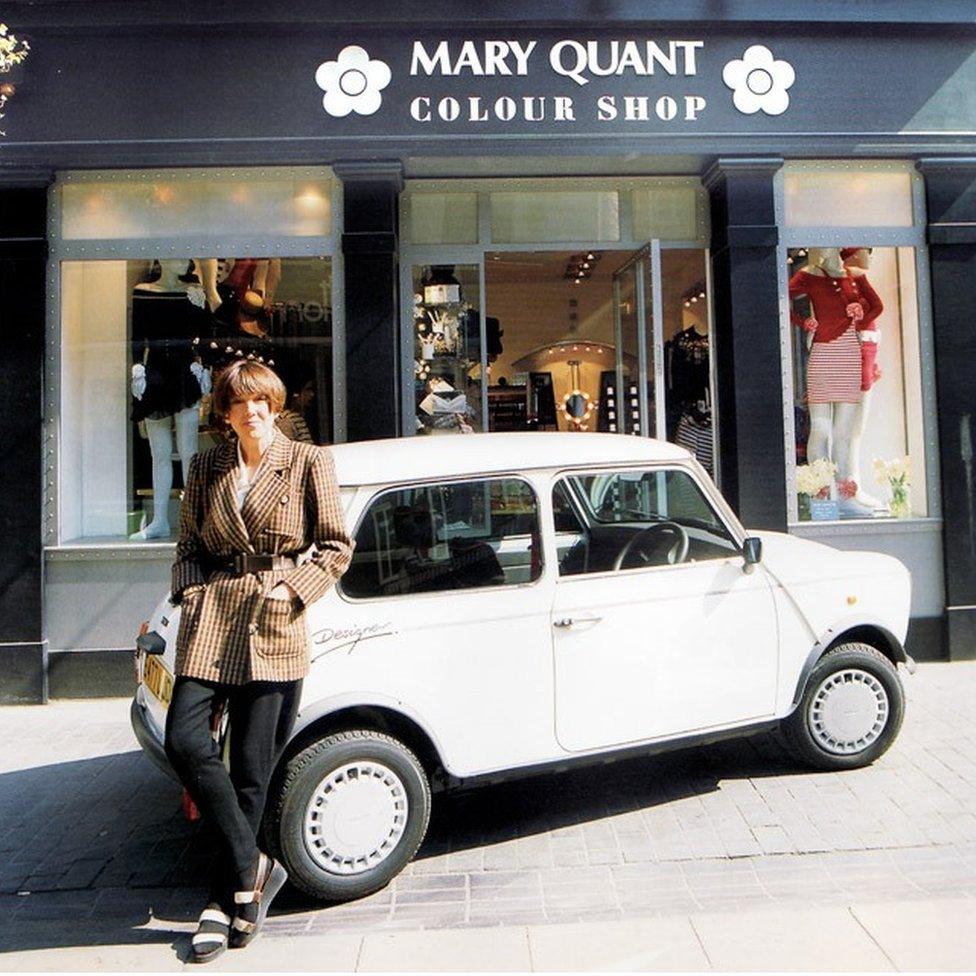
857	383
141	343
447	349
452	536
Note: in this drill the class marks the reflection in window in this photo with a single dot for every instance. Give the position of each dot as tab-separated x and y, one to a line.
857	383
141	343
447	537
634	519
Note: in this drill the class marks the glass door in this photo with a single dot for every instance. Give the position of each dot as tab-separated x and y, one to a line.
634	402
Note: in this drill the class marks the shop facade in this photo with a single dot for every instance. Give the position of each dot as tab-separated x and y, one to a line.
657	229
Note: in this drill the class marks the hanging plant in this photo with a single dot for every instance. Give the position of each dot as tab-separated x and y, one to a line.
13	52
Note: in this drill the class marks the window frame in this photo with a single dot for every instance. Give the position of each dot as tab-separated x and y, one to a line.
378	492
691	468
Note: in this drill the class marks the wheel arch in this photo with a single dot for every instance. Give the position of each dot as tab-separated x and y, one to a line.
874	634
379	718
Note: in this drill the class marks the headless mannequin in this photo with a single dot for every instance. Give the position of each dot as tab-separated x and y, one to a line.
832	425
160	429
858	264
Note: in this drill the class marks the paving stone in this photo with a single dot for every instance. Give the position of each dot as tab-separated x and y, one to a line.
429	882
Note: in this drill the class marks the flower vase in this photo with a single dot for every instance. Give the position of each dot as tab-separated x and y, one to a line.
901	504
803	507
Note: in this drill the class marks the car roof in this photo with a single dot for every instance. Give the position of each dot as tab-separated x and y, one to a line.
452	455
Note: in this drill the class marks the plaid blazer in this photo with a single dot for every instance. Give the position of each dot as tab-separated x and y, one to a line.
230	631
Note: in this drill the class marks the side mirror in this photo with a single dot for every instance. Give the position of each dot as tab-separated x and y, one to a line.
751	553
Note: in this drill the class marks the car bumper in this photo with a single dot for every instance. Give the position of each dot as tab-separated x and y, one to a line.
150	737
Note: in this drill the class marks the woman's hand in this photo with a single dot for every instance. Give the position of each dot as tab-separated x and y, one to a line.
282	591
810	325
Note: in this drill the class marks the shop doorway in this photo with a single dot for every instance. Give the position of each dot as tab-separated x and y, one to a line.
582	340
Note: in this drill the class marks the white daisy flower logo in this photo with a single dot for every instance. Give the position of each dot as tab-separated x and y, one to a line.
352	83
759	82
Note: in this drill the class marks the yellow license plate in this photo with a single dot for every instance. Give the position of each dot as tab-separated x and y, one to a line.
157	679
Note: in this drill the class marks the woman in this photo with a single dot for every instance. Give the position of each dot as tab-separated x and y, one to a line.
251	510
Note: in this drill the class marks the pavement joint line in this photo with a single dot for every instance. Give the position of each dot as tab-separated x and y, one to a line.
701	941
870	935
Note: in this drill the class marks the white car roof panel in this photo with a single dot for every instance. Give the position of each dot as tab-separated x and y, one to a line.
453	455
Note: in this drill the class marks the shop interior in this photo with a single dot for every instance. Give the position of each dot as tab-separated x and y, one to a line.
564	332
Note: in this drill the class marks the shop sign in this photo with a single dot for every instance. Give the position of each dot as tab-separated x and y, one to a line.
467	83
358	88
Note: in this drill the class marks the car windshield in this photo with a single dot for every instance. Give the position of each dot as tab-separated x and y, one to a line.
642	497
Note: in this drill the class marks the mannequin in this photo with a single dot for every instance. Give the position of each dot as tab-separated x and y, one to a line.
241	304
168	380
857	260
841	307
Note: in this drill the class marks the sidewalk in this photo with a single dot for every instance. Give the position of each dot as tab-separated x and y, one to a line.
726	857
873	937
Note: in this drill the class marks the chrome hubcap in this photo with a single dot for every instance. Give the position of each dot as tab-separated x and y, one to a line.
848	712
355	818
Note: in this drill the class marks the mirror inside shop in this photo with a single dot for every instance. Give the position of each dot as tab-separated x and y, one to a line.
142	343
568	342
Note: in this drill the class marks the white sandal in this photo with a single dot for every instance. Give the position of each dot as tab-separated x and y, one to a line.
246	930
211	936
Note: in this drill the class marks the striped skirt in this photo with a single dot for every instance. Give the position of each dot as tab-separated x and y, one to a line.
834	370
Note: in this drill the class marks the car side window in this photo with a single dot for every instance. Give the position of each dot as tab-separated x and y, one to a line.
446	536
636	519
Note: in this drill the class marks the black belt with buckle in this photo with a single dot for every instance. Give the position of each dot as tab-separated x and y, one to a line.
248	562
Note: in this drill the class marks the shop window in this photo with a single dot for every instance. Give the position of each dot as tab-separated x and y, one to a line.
634	520
669	211
857	383
191	203
442	218
847	197
555	215
455	536
140	344
447	349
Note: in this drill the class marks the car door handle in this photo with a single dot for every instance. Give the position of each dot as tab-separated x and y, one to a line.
564	623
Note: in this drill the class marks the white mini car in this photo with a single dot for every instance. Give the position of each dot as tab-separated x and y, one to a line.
520	603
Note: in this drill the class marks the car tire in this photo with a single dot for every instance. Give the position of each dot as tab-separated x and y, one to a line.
850	711
348	815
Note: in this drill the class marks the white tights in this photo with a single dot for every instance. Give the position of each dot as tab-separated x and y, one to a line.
832	428
836	430
161	446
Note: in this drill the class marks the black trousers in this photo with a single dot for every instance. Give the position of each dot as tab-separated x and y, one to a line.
262	715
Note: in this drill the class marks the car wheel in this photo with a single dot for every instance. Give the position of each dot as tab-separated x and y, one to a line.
850	711
349	814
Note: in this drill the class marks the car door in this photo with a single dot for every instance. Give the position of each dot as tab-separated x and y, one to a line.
449	575
665	643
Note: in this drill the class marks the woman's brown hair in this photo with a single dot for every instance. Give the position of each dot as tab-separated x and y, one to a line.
247	379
